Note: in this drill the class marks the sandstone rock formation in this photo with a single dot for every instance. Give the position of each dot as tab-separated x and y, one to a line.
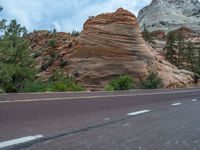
42	50
169	15
109	45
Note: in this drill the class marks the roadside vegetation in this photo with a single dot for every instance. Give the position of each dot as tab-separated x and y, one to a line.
58	82
152	81
126	82
17	71
183	53
179	51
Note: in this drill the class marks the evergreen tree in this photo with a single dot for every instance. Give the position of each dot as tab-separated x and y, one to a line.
190	54
15	59
180	40
75	33
147	35
2	22
170	48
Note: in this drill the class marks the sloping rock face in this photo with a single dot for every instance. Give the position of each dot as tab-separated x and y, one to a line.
111	45
44	52
169	15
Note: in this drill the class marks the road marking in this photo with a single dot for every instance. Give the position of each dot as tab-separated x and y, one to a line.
19	141
138	112
194	100
176	104
107	119
93	97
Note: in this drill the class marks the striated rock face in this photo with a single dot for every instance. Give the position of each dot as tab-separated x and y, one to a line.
43	52
111	44
169	15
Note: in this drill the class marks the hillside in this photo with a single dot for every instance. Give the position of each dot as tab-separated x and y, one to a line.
109	45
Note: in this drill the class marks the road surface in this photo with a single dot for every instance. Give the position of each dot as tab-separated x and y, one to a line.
125	120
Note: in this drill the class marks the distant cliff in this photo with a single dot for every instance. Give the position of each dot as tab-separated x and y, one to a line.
169	15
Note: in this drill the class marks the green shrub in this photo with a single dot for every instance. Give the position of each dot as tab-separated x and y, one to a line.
53	55
63	63
153	81
52	43
75	87
1	90
58	87
35	86
109	88
36	54
57	76
47	64
124	82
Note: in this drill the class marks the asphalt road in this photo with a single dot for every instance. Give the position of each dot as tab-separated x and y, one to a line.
125	120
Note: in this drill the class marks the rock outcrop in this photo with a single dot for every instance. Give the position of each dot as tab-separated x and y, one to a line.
109	45
169	15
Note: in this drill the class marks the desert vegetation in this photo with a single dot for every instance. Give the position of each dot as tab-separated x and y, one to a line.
17	72
126	82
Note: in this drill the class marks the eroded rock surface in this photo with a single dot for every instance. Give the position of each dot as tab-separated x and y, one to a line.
109	45
169	15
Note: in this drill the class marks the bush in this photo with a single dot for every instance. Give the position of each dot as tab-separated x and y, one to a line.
35	86
36	54
58	87
124	82
57	76
47	64
75	87
56	83
153	81
63	63
2	91
39	86
52	43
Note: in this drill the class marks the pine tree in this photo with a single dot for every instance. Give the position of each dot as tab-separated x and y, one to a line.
190	54
170	48
180	40
147	35
15	58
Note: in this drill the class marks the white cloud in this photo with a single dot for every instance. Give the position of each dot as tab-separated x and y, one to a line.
64	15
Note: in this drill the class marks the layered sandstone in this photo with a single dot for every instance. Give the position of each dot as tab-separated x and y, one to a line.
111	44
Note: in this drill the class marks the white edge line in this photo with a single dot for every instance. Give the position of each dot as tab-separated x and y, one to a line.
194	100
92	97
19	141
176	104
138	112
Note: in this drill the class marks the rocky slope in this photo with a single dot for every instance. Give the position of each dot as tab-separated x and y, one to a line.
169	15
111	45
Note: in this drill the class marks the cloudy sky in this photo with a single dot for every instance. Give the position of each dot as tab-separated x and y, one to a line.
64	15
